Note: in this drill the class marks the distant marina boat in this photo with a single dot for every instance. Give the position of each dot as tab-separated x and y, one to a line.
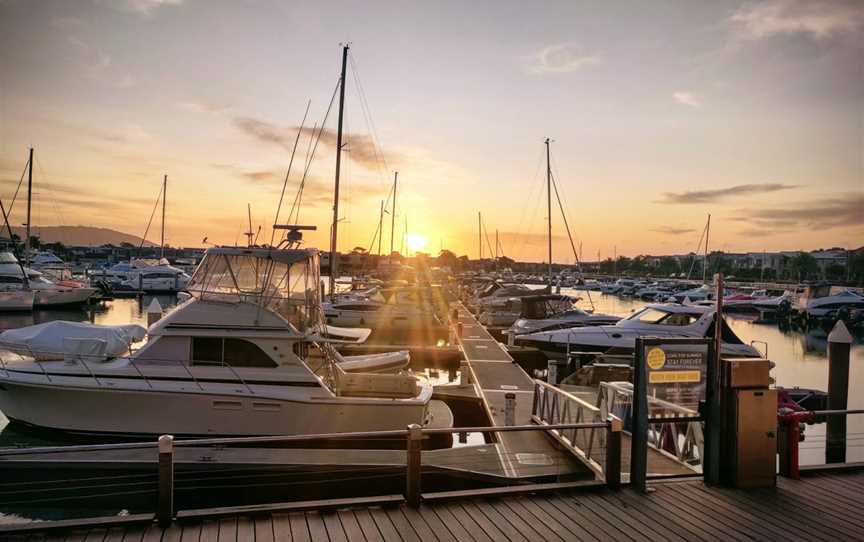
818	300
45	293
553	311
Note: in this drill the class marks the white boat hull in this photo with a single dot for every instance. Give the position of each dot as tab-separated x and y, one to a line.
16	300
62	296
128	412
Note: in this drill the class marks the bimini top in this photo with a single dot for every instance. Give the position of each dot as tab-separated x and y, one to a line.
288	256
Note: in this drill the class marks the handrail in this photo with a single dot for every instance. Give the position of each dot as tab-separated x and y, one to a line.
582	403
296	438
240	378
132	362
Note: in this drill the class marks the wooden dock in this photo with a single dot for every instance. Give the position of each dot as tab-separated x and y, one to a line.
820	507
494	375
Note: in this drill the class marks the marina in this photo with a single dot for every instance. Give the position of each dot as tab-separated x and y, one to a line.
335	332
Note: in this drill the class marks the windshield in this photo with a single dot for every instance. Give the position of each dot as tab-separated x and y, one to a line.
657	316
287	285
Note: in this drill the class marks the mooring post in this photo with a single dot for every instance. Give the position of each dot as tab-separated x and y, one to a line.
613	451
552	372
510	408
465	376
165	506
413	465
460	329
839	347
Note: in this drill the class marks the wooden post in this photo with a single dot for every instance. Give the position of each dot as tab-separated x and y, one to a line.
613	452
639	432
465	376
165	506
510	408
413	465
839	347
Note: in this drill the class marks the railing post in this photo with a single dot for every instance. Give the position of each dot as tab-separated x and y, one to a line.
165	506
790	434
613	451
413	465
510	408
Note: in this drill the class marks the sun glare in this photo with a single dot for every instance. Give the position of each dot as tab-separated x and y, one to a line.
416	242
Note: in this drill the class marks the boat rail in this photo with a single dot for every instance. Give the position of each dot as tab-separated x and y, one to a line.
834	443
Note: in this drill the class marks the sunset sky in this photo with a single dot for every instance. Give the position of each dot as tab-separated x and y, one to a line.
659	112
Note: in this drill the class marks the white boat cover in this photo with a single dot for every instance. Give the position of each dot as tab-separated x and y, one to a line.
50	340
388	362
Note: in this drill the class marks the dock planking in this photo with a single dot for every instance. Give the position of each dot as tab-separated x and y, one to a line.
524	453
676	511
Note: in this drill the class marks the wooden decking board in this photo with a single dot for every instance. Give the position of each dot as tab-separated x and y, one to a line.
593	508
582	531
349	524
843	505
174	533
467	522
367	525
442	532
447	519
299	529
526	529
731	526
484	508
416	521
402	526
263	526
492	531
317	530
576	521
281	528
683	522
385	526
517	508
333	524
611	504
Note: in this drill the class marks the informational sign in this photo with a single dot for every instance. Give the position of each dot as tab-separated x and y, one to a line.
676	373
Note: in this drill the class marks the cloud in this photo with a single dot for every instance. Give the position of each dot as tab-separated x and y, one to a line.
359	148
842	210
820	19
561	58
711	196
140	7
668	230
203	107
687	98
99	66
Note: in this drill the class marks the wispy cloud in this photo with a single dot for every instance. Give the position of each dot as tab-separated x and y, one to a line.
669	230
842	210
141	7
561	58
360	148
98	65
687	98
719	194
820	19
195	106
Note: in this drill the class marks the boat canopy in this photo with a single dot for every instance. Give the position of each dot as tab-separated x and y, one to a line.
283	281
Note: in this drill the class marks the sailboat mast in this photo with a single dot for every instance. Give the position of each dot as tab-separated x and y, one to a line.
249	232
333	257
393	212
164	194
480	237
705	260
29	201
549	207
380	227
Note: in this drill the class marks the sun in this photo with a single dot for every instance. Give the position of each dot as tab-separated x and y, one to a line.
416	242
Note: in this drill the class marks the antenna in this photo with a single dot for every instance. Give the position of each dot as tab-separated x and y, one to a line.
249	233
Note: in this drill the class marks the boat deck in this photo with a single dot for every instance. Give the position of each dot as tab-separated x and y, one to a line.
819	507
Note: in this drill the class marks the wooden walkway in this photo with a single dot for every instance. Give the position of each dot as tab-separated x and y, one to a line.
820	507
525	453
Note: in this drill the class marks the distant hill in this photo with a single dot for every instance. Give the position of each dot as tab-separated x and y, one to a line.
81	236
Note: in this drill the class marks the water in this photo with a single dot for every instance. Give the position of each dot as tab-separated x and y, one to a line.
801	360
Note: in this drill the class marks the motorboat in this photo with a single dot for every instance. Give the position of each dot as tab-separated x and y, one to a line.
549	311
50	264
44	292
655	320
820	300
235	359
400	308
156	278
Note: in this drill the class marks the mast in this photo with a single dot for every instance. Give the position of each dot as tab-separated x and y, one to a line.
393	213
29	201
496	248
380	227
165	193
480	237
705	260
333	257
249	233
549	208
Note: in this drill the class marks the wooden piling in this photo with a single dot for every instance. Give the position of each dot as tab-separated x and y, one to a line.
413	465
165	506
839	348
613	452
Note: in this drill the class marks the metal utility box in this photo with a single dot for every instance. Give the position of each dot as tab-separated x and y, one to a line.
755	438
746	373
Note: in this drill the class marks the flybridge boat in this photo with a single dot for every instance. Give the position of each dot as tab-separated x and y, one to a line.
550	311
656	320
147	275
236	359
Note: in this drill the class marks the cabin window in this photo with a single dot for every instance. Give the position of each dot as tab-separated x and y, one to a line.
233	352
6	279
679	319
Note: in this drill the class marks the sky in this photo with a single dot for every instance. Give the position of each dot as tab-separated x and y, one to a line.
659	113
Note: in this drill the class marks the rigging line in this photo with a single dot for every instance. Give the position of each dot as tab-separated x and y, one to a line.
364	105
12	204
517	242
298	199
149	222
696	254
566	210
486	234
51	190
288	173
569	235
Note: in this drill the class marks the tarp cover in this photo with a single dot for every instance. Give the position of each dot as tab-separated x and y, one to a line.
46	341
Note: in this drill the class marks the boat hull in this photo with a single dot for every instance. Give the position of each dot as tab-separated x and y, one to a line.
132	412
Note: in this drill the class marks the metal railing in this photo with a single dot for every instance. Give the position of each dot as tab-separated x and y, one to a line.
790	437
673	430
413	435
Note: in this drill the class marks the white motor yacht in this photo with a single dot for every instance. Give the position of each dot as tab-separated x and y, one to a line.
385	309
235	360
819	300
43	292
655	320
549	311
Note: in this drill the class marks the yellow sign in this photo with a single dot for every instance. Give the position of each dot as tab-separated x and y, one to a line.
656	358
671	377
